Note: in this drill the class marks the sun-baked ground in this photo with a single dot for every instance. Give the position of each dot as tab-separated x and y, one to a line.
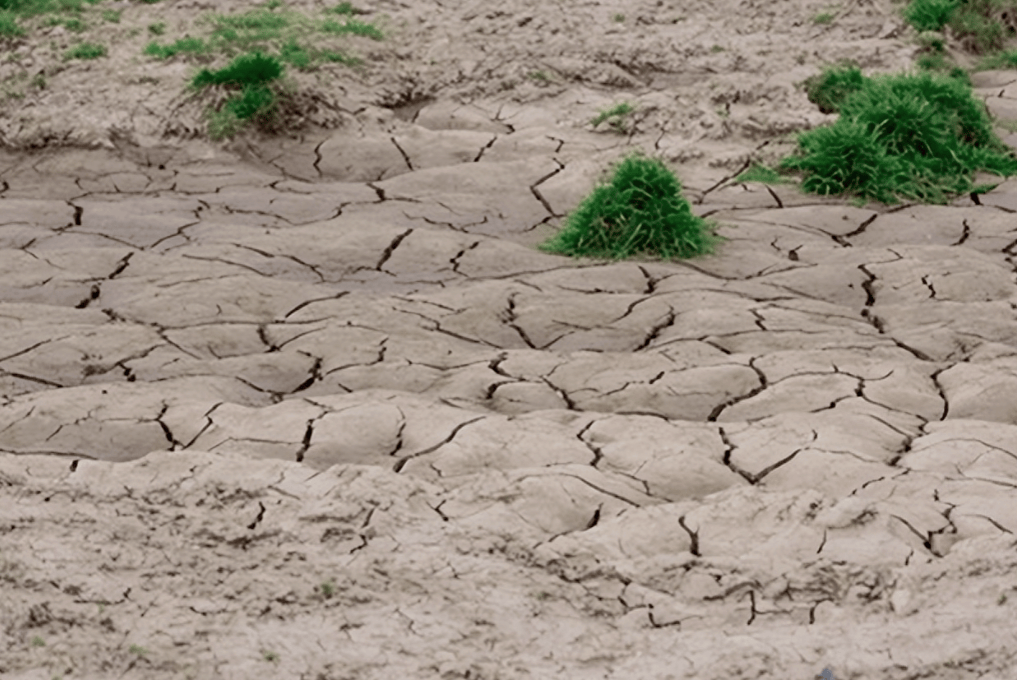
315	405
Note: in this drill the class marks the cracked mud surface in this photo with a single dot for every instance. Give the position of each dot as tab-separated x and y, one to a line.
317	408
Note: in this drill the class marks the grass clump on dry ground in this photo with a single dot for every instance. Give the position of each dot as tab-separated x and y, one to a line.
640	210
248	77
915	136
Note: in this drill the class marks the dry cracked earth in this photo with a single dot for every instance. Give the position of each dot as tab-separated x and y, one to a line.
316	407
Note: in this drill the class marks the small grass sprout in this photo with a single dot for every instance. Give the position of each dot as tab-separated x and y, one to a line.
614	116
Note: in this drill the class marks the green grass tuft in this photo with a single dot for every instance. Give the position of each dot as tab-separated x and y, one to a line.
251	74
930	15
86	51
190	45
1004	60
615	116
9	25
834	85
352	27
763	175
916	136
342	8
640	210
248	69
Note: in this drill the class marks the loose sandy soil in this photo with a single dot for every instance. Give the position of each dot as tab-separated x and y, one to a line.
313	405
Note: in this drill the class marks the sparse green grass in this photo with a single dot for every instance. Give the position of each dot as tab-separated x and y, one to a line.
32	8
614	116
763	175
619	18
86	51
716	48
932	41
352	27
38	642
345	8
915	136
157	28
972	22
111	16
929	15
188	45
9	25
256	101
327	589
74	24
824	18
829	89
640	210
1005	59
137	650
249	69
269	656
294	54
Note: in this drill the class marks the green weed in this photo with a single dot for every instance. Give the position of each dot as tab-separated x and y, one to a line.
352	27
824	18
975	25
248	69
639	210
250	73
833	86
86	51
74	24
763	175
254	20
615	116
342	8
9	25
340	58
189	45
292	53
157	28
1005	59
111	16
929	15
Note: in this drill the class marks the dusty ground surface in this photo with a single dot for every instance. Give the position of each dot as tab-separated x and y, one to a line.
316	408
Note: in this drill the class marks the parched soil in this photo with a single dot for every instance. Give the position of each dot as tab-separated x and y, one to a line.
313	405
